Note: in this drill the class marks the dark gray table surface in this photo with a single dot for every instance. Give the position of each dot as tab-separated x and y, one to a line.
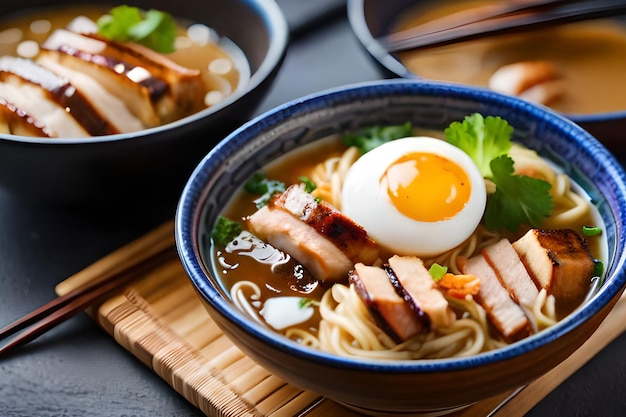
78	370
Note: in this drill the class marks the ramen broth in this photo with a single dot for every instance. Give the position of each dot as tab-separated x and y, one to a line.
231	268
222	64
590	56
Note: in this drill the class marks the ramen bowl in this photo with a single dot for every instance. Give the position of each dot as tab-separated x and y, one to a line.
398	387
149	165
572	51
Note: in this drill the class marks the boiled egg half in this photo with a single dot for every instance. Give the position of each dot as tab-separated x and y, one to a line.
416	196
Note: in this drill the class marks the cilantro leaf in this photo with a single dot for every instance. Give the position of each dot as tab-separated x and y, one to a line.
518	198
154	28
373	136
259	184
225	231
482	138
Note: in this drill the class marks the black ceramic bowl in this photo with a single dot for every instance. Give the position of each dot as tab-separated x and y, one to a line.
150	165
373	19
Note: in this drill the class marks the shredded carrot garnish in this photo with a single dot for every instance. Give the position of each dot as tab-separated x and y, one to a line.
459	286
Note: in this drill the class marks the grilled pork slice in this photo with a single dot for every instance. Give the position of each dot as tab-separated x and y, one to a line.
391	311
185	84
558	260
110	107
351	238
511	272
282	230
34	101
419	284
504	313
25	72
15	121
326	241
154	92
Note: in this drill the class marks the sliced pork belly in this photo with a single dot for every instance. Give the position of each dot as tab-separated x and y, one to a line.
504	313
511	272
284	231
419	284
22	72
110	107
351	238
558	260
15	121
186	85
391	311
323	239
33	100
154	92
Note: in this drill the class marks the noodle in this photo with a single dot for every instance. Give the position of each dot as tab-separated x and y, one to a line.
347	327
569	207
330	174
544	310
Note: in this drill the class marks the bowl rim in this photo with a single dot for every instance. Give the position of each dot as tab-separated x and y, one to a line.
190	205
356	18
278	33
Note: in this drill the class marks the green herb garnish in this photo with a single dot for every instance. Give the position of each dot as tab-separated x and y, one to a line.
483	139
225	231
308	302
374	136
598	268
309	185
153	28
260	184
518	199
437	271
591	231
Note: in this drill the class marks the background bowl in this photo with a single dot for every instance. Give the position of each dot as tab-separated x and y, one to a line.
149	166
397	387
371	19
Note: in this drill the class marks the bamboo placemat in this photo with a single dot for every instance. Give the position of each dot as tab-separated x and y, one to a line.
160	320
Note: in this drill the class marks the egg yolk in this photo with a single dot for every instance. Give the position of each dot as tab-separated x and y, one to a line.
426	187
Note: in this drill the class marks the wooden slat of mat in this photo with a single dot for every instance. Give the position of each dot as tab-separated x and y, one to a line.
160	320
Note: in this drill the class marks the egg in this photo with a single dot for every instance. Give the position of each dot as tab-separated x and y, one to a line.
416	196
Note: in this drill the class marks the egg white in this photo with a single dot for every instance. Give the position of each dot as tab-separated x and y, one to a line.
364	200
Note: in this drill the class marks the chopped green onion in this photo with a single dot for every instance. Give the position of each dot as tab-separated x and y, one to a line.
308	302
598	268
591	230
437	271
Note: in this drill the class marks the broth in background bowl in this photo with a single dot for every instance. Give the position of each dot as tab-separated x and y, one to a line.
576	69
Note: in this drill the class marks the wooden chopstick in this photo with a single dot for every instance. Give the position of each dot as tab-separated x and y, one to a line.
111	278
477	14
543	14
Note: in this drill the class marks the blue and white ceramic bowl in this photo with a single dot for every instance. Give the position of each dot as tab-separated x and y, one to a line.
406	387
